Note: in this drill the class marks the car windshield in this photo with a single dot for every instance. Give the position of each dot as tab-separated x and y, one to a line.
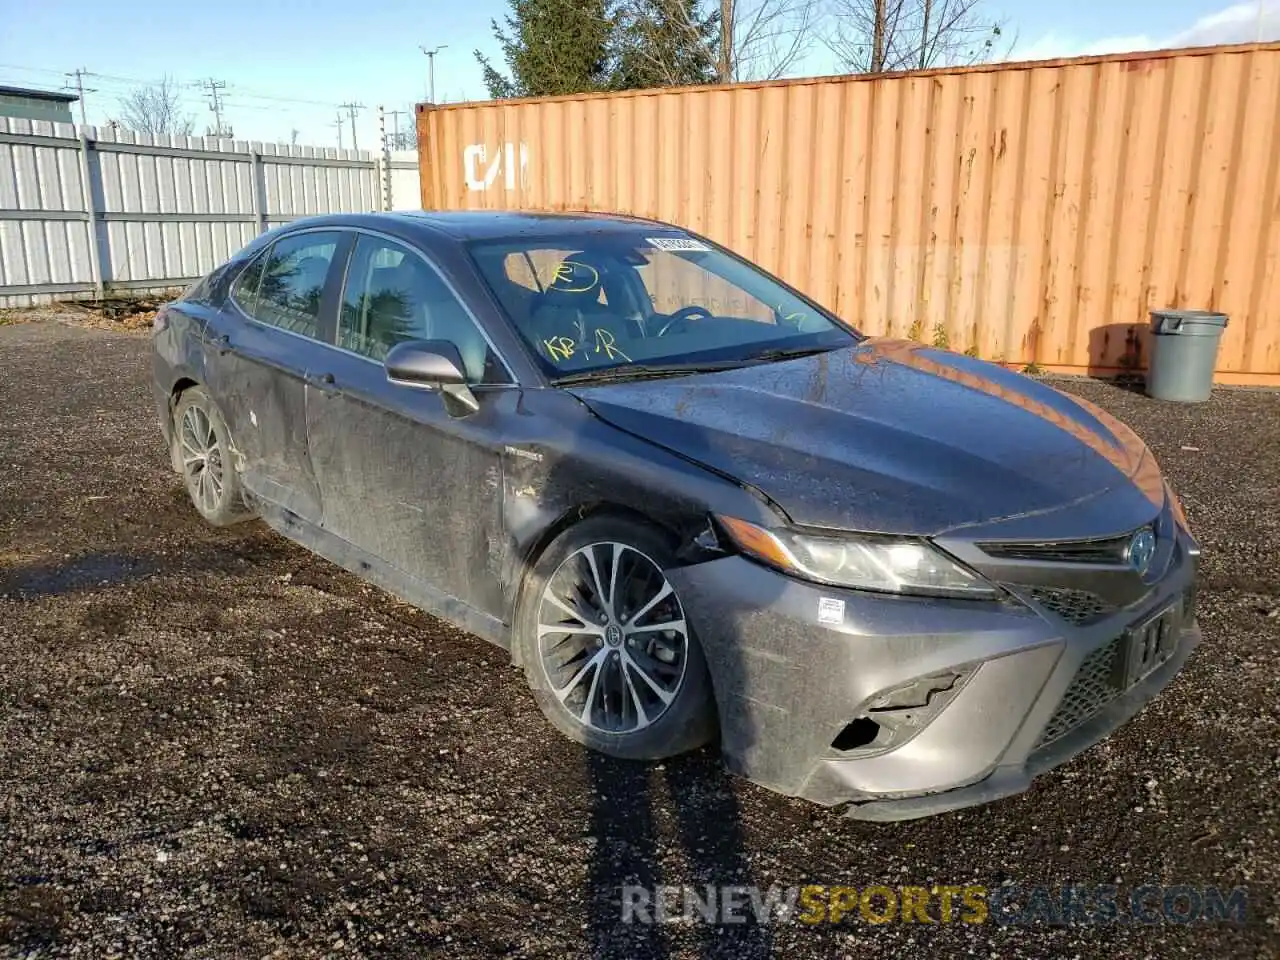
600	303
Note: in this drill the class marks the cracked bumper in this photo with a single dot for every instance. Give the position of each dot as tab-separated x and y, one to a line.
787	683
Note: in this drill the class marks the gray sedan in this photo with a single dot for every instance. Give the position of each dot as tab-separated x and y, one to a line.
693	504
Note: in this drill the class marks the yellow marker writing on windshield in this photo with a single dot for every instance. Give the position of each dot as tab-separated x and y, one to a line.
567	271
606	341
560	348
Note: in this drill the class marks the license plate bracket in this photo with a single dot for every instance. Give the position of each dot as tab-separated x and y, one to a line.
1148	644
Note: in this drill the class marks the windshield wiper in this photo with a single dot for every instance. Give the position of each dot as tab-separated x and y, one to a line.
641	371
786	353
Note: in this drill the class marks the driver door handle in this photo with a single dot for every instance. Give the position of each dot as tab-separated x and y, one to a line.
326	379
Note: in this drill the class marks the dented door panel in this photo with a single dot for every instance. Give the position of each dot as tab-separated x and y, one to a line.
258	375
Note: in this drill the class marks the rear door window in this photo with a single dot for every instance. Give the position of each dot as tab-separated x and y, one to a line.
285	286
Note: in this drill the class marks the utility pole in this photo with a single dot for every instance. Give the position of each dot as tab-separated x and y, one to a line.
351	109
81	89
431	69
214	89
338	123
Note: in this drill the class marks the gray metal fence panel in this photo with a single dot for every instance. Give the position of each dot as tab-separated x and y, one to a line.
84	211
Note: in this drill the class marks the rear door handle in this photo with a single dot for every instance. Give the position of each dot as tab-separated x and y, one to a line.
324	382
223	343
326	379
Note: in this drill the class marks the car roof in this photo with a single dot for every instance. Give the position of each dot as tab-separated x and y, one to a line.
465	225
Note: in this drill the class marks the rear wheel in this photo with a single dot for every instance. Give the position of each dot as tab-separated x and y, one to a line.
202	448
608	651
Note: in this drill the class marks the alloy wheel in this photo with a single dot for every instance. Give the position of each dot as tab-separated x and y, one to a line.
612	638
202	462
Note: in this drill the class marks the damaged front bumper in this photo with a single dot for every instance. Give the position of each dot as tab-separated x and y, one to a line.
904	707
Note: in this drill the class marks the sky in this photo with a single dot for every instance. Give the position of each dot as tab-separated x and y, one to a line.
287	65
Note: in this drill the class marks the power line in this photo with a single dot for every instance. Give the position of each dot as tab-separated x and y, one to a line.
218	95
117	78
240	91
352	109
233	88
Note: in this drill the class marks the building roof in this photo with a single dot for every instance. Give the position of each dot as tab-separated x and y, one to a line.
56	96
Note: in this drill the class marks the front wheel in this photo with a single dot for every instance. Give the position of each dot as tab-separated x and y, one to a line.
607	649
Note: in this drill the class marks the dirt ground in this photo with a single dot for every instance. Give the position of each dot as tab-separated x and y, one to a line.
213	744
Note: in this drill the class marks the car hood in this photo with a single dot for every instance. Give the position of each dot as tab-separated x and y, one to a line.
887	436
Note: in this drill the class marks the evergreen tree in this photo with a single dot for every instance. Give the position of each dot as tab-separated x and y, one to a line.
667	43
553	47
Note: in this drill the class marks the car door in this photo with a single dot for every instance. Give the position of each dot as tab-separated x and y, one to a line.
282	306
402	476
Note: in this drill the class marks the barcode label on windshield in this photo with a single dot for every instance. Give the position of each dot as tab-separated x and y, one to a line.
677	243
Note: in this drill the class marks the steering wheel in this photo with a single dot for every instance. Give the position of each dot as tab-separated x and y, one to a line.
683	316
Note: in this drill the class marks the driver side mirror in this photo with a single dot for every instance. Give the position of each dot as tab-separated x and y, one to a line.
432	365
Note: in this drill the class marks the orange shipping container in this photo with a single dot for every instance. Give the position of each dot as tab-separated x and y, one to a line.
1027	213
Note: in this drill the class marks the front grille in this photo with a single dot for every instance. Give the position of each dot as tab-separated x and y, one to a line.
1108	550
1075	606
1092	688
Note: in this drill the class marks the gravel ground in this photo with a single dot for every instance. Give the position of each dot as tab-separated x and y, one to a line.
216	745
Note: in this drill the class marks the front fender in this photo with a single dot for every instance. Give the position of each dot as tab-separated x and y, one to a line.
561	462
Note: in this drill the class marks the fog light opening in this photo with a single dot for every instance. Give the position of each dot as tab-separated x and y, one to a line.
860	733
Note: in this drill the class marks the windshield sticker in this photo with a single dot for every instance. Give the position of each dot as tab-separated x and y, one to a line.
678	243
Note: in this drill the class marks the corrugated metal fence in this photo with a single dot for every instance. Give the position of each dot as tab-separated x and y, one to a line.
1030	212
87	211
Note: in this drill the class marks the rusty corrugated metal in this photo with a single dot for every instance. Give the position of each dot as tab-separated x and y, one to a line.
1028	212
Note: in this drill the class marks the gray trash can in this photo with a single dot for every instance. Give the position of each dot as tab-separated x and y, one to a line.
1184	352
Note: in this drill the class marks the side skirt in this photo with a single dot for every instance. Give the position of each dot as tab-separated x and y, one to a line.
382	574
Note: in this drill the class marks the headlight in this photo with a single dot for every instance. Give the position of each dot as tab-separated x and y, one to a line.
865	563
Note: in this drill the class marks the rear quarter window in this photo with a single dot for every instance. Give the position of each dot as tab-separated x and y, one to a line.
244	291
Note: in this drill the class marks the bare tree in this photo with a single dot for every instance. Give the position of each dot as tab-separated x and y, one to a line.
155	109
875	36
763	39
751	39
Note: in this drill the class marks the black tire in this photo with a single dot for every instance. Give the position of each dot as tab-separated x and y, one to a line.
688	721
226	506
